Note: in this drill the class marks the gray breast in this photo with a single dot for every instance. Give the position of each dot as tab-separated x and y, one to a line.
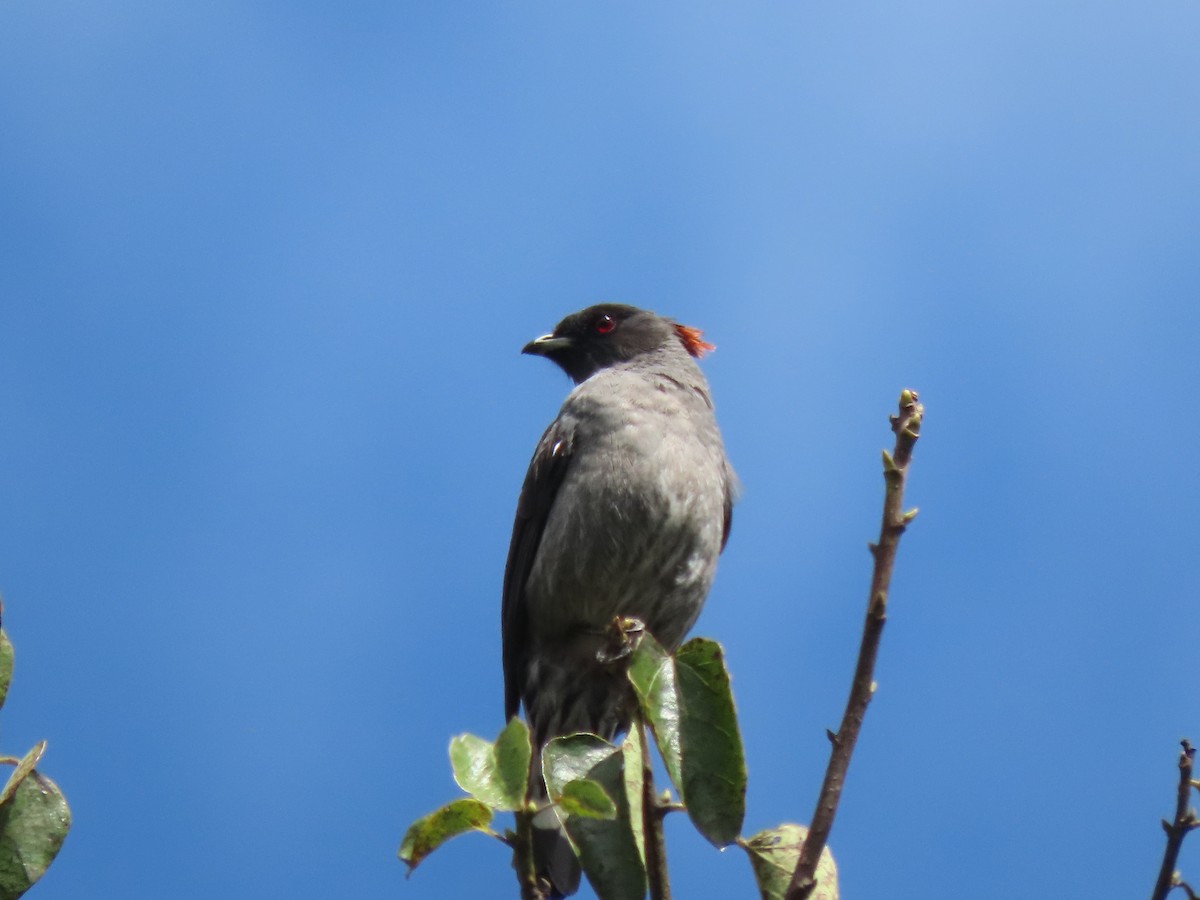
636	526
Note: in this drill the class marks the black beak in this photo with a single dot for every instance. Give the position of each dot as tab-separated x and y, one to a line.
545	345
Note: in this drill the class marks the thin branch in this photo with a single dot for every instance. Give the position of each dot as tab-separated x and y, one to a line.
508	839
1185	821
907	428
523	857
652	824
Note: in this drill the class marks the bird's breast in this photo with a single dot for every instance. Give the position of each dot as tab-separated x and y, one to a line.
635	529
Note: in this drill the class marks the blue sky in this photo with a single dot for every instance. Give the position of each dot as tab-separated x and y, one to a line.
265	272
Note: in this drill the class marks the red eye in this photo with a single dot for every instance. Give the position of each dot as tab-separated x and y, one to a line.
605	324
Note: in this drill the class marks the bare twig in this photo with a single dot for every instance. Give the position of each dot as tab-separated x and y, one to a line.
653	813
1185	821
907	427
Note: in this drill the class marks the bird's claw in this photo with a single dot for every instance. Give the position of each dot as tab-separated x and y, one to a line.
622	636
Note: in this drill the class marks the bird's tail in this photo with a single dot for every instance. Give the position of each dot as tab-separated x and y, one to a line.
554	858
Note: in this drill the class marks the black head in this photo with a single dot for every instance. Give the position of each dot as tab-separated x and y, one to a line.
600	336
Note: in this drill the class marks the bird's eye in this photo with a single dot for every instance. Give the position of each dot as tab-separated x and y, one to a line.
605	324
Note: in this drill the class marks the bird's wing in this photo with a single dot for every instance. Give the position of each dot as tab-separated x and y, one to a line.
733	488
728	523
546	471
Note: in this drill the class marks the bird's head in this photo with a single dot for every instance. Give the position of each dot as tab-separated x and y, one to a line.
610	333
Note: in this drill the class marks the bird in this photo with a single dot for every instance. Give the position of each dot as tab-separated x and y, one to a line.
626	505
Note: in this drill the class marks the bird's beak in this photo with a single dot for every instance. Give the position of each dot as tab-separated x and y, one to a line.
546	345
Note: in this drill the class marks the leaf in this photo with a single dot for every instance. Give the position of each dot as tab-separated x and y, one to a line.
6	665
583	797
24	767
496	774
428	833
608	851
774	854
714	765
566	759
33	825
688	703
652	674
513	753
632	762
474	760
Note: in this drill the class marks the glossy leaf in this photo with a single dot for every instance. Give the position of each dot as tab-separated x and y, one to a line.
688	704
714	765
652	674
608	849
584	797
565	759
33	824
494	773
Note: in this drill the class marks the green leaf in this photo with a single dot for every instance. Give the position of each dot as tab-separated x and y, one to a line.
688	703
608	851
513	753
428	833
773	855
33	824
583	797
473	760
632	761
21	772
652	674
714	766
496	774
6	665
565	759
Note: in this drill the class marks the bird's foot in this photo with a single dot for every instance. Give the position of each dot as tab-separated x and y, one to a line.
621	637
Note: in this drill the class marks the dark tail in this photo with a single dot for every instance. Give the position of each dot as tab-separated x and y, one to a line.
554	858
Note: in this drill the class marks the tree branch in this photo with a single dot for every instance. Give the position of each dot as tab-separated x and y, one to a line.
523	856
1185	821
907	427
652	818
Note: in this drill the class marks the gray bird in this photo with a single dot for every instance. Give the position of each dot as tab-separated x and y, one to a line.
623	513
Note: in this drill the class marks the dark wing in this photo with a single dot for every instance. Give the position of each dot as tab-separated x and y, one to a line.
733	487
728	519
546	471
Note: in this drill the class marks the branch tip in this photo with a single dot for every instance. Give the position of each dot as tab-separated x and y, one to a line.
906	426
1184	822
